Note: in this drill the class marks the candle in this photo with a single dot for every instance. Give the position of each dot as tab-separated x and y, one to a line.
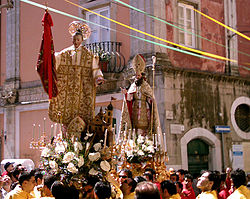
113	141
134	136
34	126
165	142
118	137
51	130
39	131
44	124
55	128
105	138
156	143
159	139
126	128
129	134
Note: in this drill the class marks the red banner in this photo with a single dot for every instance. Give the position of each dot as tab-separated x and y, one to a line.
46	59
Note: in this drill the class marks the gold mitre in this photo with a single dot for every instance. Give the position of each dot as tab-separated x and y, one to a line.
77	26
139	63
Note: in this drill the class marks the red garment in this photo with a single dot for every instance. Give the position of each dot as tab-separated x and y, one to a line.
46	59
4	173
228	183
188	193
223	194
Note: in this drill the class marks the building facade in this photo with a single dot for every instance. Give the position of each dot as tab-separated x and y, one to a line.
194	95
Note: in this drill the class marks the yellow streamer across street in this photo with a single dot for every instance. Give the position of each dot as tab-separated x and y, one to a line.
225	26
129	27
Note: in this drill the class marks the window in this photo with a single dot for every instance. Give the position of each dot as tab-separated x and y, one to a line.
99	34
186	20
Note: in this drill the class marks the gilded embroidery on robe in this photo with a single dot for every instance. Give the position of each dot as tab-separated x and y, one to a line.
76	85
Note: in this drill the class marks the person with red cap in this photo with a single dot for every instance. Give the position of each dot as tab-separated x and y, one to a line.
9	166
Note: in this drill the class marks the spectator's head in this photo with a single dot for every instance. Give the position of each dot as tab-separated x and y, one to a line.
152	171
139	179
188	179
27	181
21	168
6	183
168	189
147	190
179	187
128	186
238	178
228	170
181	174
208	181
47	183
171	171
102	190
58	190
39	177
123	175
88	188
148	176
174	177
9	166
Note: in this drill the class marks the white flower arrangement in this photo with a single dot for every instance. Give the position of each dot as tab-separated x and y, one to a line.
72	158
139	150
94	156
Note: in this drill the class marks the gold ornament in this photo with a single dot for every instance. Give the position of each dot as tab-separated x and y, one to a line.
77	26
138	64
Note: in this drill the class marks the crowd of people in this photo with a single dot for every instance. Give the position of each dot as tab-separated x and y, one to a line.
17	183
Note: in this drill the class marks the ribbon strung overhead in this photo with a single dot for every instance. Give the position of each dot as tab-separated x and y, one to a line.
225	26
159	44
182	29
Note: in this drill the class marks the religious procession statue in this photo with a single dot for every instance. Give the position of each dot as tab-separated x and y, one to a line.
139	109
78	74
87	147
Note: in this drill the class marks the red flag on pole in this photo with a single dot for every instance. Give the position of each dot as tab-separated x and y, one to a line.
46	58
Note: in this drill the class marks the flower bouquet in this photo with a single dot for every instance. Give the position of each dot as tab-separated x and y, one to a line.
72	158
139	150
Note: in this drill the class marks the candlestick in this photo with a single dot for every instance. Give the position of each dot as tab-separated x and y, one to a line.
129	134
159	139
44	124
55	128
34	126
113	141
51	128
165	143
105	138
118	137
126	128
134	136
39	131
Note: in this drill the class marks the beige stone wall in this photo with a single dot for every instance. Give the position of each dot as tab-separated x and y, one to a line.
195	99
246	154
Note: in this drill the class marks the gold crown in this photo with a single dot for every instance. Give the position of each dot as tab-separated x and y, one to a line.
77	26
138	64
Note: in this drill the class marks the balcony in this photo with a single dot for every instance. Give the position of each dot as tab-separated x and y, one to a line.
111	59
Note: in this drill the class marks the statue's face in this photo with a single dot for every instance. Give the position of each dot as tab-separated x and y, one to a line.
138	75
77	40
